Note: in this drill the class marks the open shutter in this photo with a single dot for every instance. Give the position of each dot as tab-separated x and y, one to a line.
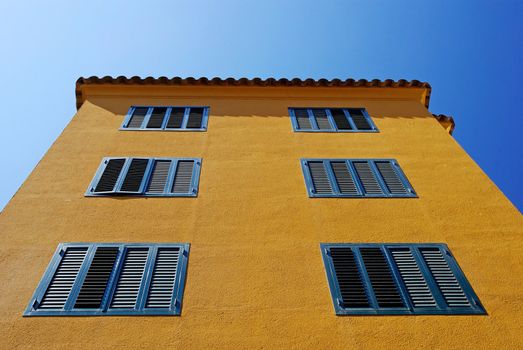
195	118
156	118
359	119
183	177
137	117
134	178
176	118
63	279
367	178
320	115
342	123
302	119
344	178
319	177
159	176
111	171
391	177
163	279
130	279
348	278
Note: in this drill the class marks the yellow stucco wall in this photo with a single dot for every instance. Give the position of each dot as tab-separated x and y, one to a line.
256	279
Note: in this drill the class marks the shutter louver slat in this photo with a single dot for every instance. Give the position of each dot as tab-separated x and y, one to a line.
176	119
95	283
302	118
183	178
195	118
380	276
367	178
391	178
110	175
349	279
359	119
130	279
133	178
163	279
344	178
321	119
417	287
159	176
156	118
137	118
320	179
445	278
340	119
62	282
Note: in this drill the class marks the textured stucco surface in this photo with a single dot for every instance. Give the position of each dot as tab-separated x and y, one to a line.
256	279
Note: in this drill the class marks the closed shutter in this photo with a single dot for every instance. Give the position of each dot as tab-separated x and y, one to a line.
348	278
137	117
183	177
344	178
110	175
134	176
342	123
302	119
163	279
176	118
359	119
95	283
391	177
159	176
320	179
320	115
195	118
64	277
130	280
156	118
367	178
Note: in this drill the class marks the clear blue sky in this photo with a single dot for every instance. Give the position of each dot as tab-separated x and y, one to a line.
470	51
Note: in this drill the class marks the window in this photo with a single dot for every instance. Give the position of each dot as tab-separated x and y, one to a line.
164	177
331	120
391	279
355	178
166	118
112	279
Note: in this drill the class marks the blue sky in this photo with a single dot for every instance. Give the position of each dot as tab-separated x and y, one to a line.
470	51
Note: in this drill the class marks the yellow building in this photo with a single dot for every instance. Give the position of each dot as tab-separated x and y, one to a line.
259	214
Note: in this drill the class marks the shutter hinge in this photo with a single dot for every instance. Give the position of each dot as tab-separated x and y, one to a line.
194	190
448	252
185	252
35	305
62	252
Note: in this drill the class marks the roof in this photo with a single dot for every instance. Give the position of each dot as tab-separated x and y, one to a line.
270	82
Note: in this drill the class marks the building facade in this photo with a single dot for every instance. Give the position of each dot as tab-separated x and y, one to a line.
259	214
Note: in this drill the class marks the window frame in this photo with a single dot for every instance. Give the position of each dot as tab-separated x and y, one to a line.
349	161
143	127
476	306
105	310
315	129
195	179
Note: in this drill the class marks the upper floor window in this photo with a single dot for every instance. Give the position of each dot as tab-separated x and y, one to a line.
331	120
392	279
165	177
166	118
112	279
355	178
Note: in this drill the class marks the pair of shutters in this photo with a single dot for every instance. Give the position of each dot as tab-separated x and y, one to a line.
112	279
397	279
147	176
331	120
166	118
355	178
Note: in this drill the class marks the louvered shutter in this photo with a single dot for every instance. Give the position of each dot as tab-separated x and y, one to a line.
159	176
359	119
176	118
183	177
134	176
110	174
340	119
320	179
63	279
163	279
130	279
95	283
195	118
391	177
367	178
302	119
320	115
156	118
344	178
137	117
348	278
